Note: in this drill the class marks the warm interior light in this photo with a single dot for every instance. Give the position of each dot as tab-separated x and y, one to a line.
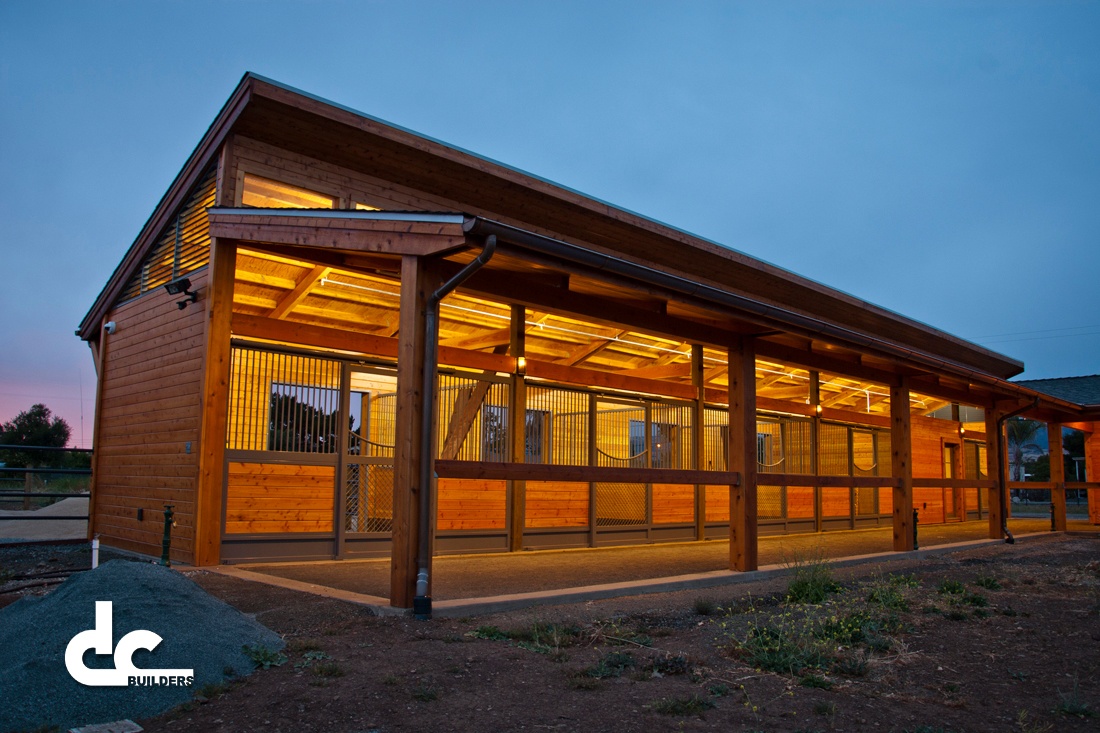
818	408
521	365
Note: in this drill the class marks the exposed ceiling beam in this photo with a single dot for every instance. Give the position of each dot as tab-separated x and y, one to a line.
300	292
475	342
587	351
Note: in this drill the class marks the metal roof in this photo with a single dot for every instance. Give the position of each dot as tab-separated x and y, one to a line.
1081	390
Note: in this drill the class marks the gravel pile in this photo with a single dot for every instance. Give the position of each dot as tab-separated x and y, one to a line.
198	632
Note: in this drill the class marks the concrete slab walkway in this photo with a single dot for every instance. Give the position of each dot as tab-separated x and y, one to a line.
469	584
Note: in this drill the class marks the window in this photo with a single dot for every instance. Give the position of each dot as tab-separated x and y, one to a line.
265	193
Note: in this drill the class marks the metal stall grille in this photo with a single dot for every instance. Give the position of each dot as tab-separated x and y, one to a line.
621	441
473	418
368	465
283	402
556	426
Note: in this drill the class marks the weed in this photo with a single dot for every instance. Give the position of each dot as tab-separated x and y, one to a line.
950	587
263	657
988	582
1027	725
1008	611
825	708
391	680
299	646
1072	704
229	671
853	666
930	609
669	665
425	693
812	581
612	664
888	596
328	669
314	655
705	607
783	650
975	599
718	689
816	681
981	613
904	581
956	615
582	681
492	633
1020	676
693	705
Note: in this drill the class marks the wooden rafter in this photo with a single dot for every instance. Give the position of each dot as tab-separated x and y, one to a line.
587	351
475	342
300	291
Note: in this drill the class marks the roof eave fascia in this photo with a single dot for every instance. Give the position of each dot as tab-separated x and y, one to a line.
197	162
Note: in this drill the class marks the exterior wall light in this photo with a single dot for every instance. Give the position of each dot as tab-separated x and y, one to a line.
182	286
818	408
521	365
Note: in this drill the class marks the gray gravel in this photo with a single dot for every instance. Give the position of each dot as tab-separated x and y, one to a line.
198	632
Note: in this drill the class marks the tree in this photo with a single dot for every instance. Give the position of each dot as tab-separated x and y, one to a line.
38	427
1021	444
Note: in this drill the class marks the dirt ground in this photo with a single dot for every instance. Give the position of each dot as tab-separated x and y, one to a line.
1001	638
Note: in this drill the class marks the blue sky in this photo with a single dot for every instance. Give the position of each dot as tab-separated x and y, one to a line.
938	159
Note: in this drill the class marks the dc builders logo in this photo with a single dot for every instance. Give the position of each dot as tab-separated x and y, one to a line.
124	674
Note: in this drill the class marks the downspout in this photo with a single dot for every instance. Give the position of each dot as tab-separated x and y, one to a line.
422	602
1003	470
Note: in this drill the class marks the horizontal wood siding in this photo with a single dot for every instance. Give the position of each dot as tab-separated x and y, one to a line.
470	504
264	498
556	504
673	504
150	410
835	502
800	502
718	503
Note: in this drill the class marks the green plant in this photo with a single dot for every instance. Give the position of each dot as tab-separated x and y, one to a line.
314	655
1027	725
391	680
888	596
904	581
211	690
492	633
812	581
328	669
705	607
425	693
855	665
975	599
988	582
612	664
263	657
1072	704
815	681
298	646
718	689
670	665
950	587
823	707
692	705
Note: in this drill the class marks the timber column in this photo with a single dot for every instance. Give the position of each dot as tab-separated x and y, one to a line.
517	428
1092	469
410	500
994	460
1057	475
742	454
215	401
698	434
901	451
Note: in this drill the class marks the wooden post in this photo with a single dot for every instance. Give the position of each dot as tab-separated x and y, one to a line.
100	366
418	281
994	454
742	454
215	402
1092	470
901	449
1057	475
517	429
815	447
699	439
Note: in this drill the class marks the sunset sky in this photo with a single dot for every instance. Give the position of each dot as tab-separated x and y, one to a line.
941	159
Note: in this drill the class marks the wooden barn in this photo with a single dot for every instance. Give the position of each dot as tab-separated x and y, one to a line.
335	338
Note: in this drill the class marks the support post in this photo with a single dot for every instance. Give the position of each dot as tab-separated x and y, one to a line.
1057	476
699	440
517	429
1092	469
215	400
994	452
418	281
742	454
901	451
815	445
